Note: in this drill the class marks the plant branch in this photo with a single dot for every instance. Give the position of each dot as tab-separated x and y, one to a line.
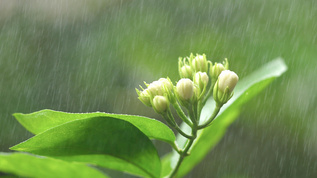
209	93
182	114
192	115
212	117
170	116
184	153
176	148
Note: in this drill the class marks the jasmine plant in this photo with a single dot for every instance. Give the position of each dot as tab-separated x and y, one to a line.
199	80
207	98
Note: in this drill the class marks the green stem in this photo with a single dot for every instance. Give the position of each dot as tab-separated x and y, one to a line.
199	108
194	117
208	94
184	153
183	133
212	117
170	120
171	117
175	147
194	110
182	114
191	115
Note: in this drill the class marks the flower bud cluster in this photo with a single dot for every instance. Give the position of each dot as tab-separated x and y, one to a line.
157	94
200	79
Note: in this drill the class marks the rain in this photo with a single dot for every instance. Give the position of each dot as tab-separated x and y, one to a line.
87	56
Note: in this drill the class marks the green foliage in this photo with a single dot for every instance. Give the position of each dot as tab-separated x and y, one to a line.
122	142
26	165
43	120
92	61
79	140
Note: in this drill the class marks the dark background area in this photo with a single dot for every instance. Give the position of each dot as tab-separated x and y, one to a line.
87	56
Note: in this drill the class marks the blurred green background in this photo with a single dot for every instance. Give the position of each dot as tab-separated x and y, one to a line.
86	56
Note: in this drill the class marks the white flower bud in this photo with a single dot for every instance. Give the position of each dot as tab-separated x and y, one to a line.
160	104
216	71
156	88
145	98
201	79
228	79
186	71
224	86
185	89
200	63
167	83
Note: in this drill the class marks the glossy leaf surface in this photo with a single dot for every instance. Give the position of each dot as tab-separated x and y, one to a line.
43	120
103	141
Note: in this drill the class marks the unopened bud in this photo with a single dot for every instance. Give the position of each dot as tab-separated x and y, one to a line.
185	89
186	72
167	83
168	87
224	86
215	71
156	88
160	104
201	79
145	97
200	63
228	79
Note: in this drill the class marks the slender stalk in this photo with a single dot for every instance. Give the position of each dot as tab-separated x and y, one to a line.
212	117
190	141
175	147
182	114
209	93
170	121
183	133
193	109
192	115
199	108
184	153
176	127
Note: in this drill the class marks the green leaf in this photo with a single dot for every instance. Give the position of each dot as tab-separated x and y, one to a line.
43	120
209	137
103	141
33	166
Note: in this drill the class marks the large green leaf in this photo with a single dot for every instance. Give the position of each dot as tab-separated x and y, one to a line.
43	120
209	137
104	141
26	165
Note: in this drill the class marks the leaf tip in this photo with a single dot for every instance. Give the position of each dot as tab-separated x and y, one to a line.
18	148
17	116
14	148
